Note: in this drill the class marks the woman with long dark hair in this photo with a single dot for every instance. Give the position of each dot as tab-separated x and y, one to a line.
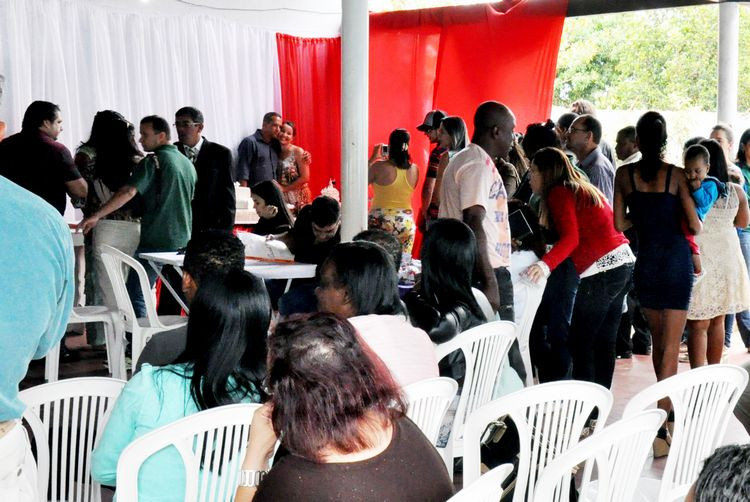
224	362
358	282
452	135
442	302
341	417
393	178
657	198
725	288
601	261
106	161
269	203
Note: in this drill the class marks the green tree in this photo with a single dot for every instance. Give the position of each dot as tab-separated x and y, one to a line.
665	59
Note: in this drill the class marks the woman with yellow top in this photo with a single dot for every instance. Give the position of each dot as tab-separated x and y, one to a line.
393	178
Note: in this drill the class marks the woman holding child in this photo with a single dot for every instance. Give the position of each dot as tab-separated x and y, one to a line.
725	288
657	196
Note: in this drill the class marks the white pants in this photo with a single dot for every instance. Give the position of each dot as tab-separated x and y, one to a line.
121	235
18	477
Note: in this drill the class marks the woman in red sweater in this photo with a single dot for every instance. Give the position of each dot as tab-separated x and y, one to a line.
582	219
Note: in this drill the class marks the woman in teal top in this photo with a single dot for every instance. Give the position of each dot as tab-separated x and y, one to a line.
224	363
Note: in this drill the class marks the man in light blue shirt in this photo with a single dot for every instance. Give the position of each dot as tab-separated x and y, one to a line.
36	298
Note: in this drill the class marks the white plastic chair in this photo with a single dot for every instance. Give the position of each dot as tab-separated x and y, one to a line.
428	401
549	418
488	488
114	334
703	400
532	297
485	349
117	265
74	411
619	452
218	436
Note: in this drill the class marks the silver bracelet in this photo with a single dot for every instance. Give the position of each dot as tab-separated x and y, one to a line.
251	478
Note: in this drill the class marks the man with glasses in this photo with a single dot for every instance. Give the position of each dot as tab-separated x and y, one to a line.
583	138
258	154
429	127
213	203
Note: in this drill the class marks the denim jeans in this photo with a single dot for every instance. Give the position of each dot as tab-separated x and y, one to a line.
593	329
743	318
548	340
136	294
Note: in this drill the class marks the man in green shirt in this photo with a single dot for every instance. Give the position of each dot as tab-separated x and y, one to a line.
166	181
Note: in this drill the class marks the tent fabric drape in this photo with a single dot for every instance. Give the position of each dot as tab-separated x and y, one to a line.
310	70
88	57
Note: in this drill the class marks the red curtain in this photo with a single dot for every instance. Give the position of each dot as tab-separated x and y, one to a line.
450	58
454	58
310	70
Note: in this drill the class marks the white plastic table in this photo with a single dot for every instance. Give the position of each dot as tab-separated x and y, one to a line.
264	270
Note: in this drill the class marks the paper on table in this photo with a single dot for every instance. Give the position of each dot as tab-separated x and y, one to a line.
258	248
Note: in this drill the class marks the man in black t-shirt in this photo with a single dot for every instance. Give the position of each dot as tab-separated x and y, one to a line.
34	160
316	231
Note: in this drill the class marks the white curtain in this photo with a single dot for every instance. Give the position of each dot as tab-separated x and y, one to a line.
88	57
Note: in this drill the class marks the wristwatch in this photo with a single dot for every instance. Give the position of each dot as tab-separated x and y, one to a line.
250	478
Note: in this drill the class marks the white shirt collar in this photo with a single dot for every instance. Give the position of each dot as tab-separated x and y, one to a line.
635	157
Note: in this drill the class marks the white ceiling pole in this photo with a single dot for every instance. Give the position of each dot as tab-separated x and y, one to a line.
729	32
355	31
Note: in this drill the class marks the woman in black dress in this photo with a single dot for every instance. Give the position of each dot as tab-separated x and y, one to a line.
657	198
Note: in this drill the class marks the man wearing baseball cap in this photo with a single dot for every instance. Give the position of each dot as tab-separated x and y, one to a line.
429	127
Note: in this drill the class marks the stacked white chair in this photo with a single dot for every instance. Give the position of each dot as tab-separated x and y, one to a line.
549	418
428	401
703	400
488	488
117	265
619	452
113	337
74	411
216	438
485	349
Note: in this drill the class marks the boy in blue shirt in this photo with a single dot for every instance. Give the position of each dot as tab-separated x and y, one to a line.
705	190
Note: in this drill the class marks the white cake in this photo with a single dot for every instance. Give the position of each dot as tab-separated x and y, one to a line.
244	210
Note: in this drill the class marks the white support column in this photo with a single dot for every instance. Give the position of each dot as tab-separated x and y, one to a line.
729	29
355	32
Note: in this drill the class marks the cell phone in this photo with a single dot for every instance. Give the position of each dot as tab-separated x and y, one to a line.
519	226
384	149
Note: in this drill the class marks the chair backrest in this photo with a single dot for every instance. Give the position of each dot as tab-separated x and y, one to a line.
65	419
549	418
117	265
211	444
485	348
530	296
703	400
484	304
428	401
619	452
488	488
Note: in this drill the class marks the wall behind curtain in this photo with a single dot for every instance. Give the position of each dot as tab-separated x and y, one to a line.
88	57
310	70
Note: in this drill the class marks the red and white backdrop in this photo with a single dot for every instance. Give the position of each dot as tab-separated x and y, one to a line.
449	58
97	55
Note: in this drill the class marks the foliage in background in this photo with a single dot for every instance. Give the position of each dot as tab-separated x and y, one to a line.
659	59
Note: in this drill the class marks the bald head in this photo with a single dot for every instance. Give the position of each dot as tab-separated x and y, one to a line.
493	128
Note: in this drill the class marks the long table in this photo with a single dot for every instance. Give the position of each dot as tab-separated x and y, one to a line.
264	270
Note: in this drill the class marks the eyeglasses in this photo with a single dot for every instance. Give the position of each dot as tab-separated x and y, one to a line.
574	129
185	123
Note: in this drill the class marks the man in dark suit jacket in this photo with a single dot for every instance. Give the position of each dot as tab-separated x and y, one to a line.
213	203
